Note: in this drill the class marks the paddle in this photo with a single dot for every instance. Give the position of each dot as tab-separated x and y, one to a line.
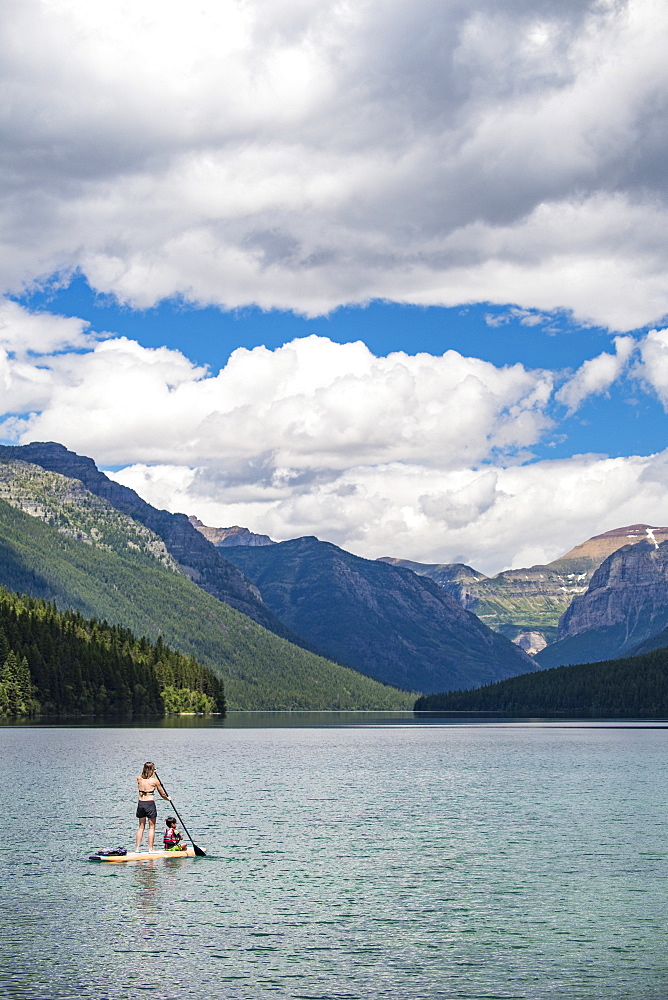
198	850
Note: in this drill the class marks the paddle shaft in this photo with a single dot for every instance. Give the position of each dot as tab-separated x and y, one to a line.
197	850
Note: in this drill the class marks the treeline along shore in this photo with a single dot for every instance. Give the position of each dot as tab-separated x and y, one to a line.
60	663
633	687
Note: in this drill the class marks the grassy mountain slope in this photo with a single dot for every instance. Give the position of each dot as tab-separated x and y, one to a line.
202	561
382	620
634	687
520	601
259	669
512	603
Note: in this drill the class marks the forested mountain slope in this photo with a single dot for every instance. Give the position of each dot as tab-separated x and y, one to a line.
132	588
199	558
382	620
59	663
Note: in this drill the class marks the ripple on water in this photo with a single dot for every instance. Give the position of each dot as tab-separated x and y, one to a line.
458	862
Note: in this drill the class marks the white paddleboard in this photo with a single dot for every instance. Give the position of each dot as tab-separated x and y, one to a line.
144	856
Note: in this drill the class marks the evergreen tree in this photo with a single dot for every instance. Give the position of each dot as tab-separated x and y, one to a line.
61	663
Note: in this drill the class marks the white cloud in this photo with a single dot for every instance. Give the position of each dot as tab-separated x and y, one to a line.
417	456
26	383
456	508
105	399
596	374
491	518
653	367
302	154
310	405
23	332
526	317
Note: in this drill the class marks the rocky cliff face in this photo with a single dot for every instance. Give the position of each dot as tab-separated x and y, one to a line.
630	586
198	558
526	604
530	642
227	537
379	619
626	603
74	511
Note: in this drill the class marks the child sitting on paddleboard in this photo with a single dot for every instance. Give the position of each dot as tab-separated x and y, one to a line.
173	839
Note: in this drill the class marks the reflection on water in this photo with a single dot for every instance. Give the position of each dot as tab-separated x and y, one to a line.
231	720
147	884
149	880
309	720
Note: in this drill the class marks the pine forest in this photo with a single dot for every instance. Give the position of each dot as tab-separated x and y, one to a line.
60	663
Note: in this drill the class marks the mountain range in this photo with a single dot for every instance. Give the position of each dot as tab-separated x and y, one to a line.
77	550
526	605
382	620
71	535
302	623
607	597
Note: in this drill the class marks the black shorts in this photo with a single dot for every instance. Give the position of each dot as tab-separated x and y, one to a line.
146	809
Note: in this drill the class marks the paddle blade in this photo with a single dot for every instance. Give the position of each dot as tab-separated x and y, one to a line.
198	851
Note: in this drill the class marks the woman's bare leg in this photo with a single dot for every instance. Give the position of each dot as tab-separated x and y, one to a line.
140	832
151	833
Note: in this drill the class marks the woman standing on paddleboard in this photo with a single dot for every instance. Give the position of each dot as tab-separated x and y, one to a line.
147	784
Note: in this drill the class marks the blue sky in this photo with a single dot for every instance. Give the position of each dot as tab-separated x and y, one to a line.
621	421
391	275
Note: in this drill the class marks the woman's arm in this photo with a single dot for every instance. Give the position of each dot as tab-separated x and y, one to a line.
162	791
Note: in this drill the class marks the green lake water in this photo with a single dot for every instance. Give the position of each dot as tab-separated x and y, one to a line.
364	858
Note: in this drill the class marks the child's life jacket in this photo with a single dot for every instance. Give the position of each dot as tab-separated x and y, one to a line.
172	837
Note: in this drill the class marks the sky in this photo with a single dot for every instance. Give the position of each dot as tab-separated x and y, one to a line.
390	274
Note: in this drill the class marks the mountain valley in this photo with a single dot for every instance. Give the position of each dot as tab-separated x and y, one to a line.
526	604
382	620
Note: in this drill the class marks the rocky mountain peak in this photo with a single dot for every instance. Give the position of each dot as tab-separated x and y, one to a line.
626	603
227	537
587	556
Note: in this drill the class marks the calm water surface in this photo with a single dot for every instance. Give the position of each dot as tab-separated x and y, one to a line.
399	861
